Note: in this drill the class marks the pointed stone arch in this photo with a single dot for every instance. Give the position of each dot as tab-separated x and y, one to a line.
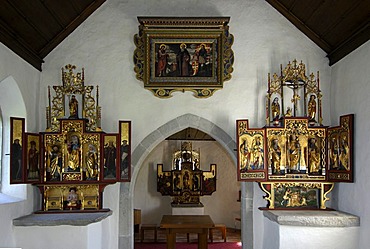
126	233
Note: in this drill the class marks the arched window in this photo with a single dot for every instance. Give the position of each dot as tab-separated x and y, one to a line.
11	105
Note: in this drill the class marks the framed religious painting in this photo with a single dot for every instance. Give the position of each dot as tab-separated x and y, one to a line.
183	54
17	130
340	150
110	159
32	157
125	151
251	150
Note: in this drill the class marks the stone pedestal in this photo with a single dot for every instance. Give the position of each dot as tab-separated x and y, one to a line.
63	230
310	229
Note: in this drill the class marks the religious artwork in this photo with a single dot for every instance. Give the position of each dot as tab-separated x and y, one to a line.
110	156
197	58
73	160
125	150
17	129
33	160
294	148
186	182
251	151
340	150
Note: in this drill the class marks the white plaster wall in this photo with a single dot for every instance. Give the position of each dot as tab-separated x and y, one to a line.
350	91
222	205
19	84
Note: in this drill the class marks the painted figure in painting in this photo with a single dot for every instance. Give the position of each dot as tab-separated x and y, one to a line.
312	108
183	61
91	163
313	156
73	107
275	156
162	61
33	161
202	58
124	150
110	156
16	160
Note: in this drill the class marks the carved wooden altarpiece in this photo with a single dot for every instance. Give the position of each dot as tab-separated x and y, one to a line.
74	159
295	159
186	182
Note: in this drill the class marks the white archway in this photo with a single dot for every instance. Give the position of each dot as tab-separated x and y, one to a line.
126	233
12	105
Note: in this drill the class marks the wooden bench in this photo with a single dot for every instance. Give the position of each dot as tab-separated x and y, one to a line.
220	227
144	227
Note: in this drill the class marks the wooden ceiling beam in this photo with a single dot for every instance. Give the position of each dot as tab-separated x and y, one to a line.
300	25
9	38
361	36
71	27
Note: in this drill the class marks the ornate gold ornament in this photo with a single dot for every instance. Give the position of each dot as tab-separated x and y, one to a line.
65	101
294	157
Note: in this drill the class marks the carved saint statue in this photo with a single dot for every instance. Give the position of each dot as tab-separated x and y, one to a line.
312	108
275	156
275	109
73	107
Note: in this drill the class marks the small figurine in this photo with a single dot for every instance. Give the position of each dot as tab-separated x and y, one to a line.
73	107
312	109
275	109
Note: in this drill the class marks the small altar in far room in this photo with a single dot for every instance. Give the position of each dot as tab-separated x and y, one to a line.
186	182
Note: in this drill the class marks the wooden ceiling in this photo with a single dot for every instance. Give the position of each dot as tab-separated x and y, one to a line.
33	28
336	26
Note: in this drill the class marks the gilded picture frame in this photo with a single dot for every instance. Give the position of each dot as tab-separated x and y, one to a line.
340	150
110	159
32	157
251	147
183	54
17	130
125	151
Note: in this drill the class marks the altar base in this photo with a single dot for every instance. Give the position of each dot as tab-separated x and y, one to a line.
310	229
187	209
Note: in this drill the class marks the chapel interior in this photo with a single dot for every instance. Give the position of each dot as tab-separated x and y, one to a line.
99	55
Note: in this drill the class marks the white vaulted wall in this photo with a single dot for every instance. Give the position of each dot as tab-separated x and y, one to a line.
264	39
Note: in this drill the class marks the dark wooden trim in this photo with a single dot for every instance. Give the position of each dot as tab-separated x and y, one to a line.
361	36
19	46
